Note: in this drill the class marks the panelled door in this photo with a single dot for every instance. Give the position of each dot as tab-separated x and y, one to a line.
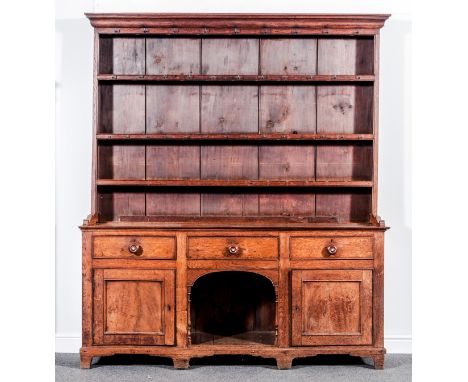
133	307
331	307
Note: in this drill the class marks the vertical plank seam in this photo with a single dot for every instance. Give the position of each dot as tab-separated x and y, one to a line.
146	127
200	122
316	125
258	118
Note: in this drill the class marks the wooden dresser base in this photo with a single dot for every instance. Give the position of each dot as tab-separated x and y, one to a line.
181	356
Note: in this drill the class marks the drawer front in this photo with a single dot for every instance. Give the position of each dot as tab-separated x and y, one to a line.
235	247
331	247
136	247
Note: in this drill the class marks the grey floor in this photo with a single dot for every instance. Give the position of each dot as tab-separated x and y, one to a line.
227	369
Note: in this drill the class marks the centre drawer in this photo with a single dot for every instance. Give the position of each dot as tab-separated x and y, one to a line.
331	247
125	247
233	247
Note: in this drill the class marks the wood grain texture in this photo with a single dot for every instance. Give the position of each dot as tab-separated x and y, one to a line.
327	263
122	109
284	302
275	137
229	162
345	206
172	162
229	204
181	291
133	263
229	183
137	307
128	55
234	265
96	124
316	247
287	204
112	205
332	307
197	351
97	288
103	54
229	109
375	125
286	162
237	23
288	56
351	162
121	162
172	55
133	307
172	109
287	109
345	56
378	295
236	78
172	203
150	247
87	292
344	109
229	56
235	222
218	247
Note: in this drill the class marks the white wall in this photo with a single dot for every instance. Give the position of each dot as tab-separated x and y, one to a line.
74	51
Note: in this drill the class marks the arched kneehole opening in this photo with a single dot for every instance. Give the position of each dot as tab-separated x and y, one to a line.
233	307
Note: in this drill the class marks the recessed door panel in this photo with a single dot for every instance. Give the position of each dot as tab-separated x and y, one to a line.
134	307
332	307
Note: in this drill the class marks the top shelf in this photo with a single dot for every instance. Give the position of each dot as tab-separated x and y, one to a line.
234	78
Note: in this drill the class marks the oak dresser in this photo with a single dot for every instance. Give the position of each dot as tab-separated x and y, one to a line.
234	188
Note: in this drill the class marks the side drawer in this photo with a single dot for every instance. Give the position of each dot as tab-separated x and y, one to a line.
331	247
233	247
141	247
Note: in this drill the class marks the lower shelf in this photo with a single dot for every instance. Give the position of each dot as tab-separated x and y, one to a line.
246	338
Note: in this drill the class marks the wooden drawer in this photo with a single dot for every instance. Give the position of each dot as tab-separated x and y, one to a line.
232	247
137	247
331	247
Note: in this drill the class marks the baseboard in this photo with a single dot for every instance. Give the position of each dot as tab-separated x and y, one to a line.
398	343
393	343
67	343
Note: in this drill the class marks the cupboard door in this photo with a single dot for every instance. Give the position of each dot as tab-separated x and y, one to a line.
331	307
133	307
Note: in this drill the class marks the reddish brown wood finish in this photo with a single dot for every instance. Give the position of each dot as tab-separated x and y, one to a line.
236	78
235	24
232	247
234	170
331	307
141	247
133	307
246	137
232	183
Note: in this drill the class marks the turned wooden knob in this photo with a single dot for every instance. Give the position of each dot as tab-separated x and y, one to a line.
331	249
233	249
134	249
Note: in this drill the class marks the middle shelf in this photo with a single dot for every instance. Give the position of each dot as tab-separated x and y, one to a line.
273	163
236	77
